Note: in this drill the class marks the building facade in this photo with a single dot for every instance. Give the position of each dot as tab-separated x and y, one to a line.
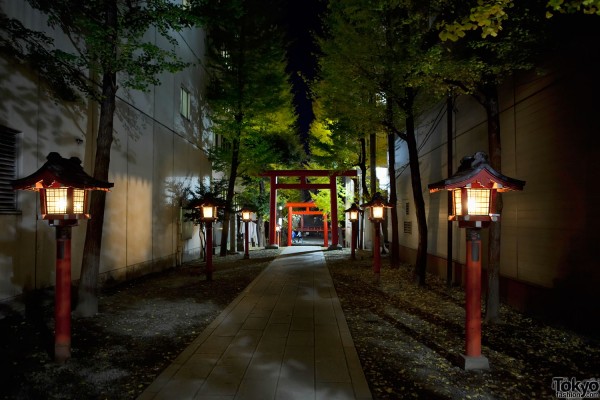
549	231
160	142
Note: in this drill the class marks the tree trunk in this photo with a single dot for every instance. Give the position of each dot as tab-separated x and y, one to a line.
492	303
235	153
260	231
202	237
87	304
362	164
395	243
415	178
373	161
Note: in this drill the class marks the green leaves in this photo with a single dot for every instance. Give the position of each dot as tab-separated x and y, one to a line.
108	37
487	16
574	6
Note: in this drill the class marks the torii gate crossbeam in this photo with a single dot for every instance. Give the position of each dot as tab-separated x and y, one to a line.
303	174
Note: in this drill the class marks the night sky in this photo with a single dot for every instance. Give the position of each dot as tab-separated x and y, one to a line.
302	19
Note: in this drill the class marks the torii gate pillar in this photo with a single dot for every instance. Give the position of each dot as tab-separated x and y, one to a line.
273	214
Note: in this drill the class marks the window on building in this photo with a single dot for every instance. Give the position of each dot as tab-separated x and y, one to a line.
185	103
8	161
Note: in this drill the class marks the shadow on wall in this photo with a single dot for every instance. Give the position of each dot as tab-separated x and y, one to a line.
576	294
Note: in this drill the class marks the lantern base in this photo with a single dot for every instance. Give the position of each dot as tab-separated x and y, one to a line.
63	222
62	352
272	246
469	363
334	247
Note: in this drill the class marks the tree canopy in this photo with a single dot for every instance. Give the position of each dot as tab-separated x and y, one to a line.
249	97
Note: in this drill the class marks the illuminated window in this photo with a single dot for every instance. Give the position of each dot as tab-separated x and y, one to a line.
185	104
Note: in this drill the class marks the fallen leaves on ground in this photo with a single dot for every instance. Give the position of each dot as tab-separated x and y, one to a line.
141	327
410	339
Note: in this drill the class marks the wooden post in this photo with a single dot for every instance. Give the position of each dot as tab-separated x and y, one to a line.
246	234
376	251
209	251
473	358
62	295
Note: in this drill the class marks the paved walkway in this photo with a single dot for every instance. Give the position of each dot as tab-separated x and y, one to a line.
285	337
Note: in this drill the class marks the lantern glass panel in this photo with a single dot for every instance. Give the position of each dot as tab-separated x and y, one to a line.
78	201
207	212
377	212
56	200
246	216
353	215
478	202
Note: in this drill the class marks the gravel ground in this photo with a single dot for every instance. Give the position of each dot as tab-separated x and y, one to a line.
408	338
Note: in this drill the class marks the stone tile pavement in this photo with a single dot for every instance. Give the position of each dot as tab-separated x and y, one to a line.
284	338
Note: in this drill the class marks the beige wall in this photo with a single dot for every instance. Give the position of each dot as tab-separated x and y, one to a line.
549	127
154	147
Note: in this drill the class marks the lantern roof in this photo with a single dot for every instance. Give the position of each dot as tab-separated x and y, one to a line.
59	171
377	200
209	199
353	207
475	172
246	208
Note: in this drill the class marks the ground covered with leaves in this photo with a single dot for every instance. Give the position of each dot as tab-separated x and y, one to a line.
408	338
141	327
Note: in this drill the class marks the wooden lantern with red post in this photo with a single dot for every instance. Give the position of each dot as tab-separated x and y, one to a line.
377	207
246	213
208	214
64	190
474	190
353	214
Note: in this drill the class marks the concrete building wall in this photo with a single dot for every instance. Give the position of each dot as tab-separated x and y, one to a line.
549	231
155	149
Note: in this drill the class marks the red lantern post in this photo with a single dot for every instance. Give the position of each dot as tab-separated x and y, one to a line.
353	213
246	218
208	214
474	189
377	206
63	186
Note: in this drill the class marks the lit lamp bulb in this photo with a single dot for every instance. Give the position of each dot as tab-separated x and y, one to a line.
61	205
56	200
207	212
353	215
478	202
471	203
246	216
378	212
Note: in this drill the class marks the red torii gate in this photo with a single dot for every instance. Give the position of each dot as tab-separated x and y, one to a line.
306	211
302	174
